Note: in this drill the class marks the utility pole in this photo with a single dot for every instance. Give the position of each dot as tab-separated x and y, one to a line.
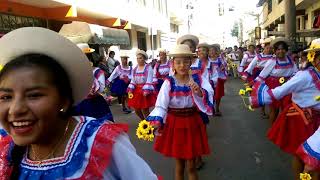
290	21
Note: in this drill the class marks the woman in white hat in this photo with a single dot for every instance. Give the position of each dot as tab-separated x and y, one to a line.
300	119
94	105
41	140
218	75
161	69
181	123
120	80
280	67
141	90
247	58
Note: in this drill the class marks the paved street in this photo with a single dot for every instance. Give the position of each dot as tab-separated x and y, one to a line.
240	150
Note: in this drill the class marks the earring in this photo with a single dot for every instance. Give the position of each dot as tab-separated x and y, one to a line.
62	110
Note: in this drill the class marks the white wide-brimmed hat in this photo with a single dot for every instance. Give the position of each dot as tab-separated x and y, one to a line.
280	39
217	46
85	48
203	45
190	37
181	50
142	52
251	44
162	50
314	46
124	54
267	41
44	41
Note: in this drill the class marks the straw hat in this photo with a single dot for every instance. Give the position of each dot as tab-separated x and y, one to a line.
162	50
267	41
314	47
43	41
251	44
181	50
142	52
85	48
203	45
280	39
190	37
217	46
124	54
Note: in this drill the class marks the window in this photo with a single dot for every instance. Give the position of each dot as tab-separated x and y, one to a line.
141	38
154	44
269	6
174	28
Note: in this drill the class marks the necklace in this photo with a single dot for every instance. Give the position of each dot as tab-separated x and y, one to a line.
51	154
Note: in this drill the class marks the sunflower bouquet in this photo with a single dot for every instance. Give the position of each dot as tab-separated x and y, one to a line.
145	131
305	176
245	94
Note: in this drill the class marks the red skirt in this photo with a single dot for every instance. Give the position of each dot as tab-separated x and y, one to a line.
219	90
273	82
139	101
289	132
183	137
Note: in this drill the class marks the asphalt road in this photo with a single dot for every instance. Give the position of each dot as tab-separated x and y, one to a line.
240	149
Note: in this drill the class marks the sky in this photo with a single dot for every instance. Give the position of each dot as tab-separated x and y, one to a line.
208	22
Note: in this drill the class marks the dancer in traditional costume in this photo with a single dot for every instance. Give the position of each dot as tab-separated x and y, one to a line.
94	105
218	75
40	139
247	58
141	91
161	69
176	114
300	119
120	80
280	67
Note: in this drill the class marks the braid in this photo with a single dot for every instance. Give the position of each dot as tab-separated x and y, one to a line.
17	154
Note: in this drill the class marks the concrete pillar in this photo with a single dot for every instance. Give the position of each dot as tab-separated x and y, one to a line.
290	20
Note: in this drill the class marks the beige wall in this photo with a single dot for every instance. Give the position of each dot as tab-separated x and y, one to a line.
277	11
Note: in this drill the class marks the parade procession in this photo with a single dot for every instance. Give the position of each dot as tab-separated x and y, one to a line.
160	90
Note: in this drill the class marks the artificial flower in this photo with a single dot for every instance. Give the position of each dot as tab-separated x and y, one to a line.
130	95
242	92
317	98
282	80
139	133
145	126
248	89
150	134
234	65
310	56
305	176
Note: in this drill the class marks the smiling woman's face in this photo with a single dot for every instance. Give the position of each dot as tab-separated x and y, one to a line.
29	105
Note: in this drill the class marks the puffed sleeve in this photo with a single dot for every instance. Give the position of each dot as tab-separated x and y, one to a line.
115	74
205	103
252	64
266	71
262	95
155	79
148	86
243	62
132	84
160	111
126	163
101	79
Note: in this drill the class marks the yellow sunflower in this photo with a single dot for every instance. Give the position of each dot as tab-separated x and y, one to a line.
242	92
1	67
311	55
317	98
150	134
139	133
144	126
305	176
248	89
282	80
130	95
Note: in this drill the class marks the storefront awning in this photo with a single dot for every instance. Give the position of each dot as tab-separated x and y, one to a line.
82	32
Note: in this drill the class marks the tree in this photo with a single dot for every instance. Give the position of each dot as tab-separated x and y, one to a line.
235	30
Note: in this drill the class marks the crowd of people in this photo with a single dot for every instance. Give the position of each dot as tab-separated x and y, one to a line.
57	124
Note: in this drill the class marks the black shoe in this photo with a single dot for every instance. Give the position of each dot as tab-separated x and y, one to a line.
126	110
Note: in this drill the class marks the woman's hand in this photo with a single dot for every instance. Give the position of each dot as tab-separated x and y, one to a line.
195	89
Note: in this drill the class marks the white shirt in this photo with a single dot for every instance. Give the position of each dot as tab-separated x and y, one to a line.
259	61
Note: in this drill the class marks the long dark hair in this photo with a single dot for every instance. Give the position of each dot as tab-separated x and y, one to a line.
58	77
